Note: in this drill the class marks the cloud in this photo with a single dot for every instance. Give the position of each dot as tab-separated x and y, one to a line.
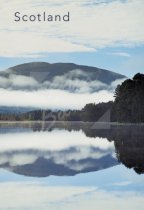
78	81
17	159
37	196
124	183
75	81
122	54
52	99
22	81
4	82
116	82
93	25
45	145
18	81
48	141
32	44
76	159
34	196
71	90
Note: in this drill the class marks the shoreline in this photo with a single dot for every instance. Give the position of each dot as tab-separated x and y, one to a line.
76	122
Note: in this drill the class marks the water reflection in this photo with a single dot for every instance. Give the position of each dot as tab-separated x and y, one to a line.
43	149
55	153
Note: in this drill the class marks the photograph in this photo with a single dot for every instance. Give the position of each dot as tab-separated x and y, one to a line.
71	104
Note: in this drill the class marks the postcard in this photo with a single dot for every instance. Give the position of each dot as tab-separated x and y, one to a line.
71	104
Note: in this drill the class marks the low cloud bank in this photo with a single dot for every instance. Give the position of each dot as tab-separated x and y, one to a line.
71	90
76	81
52	99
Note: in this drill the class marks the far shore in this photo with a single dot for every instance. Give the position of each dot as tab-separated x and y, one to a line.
76	122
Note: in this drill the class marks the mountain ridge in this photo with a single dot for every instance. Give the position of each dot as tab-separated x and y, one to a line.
59	69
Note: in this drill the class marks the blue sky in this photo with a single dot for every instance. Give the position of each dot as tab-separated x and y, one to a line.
106	34
126	65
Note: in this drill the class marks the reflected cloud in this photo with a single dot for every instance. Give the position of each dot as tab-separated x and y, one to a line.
54	153
56	140
38	196
69	148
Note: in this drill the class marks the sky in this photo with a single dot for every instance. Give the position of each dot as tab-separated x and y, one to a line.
104	33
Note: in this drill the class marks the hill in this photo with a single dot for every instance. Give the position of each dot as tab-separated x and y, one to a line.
64	76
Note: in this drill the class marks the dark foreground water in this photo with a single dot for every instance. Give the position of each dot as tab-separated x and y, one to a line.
71	166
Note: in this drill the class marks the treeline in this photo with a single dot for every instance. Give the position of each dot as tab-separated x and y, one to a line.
128	106
91	112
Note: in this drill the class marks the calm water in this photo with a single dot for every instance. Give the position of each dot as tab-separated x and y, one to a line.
71	166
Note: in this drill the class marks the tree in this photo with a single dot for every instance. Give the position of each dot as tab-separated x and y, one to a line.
129	100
